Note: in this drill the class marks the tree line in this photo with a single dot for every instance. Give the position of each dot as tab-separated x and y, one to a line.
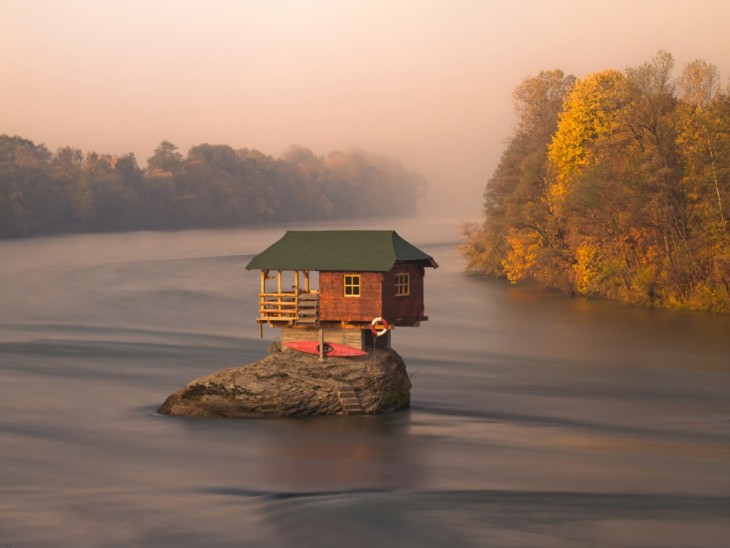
616	186
214	185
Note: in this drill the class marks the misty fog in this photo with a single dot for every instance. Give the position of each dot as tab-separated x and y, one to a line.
427	83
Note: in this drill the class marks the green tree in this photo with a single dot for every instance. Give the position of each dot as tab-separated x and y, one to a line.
165	158
23	168
68	169
214	185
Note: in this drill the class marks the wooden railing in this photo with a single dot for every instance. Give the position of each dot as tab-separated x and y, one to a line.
289	308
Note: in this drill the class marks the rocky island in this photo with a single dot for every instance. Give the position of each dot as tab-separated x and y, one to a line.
294	384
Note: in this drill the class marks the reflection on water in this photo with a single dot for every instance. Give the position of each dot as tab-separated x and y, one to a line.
536	420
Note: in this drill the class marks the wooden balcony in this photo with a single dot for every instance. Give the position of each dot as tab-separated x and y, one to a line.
289	308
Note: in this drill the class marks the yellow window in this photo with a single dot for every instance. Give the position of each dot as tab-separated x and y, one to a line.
352	285
402	284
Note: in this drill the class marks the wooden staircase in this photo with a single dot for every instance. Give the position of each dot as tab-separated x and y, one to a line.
349	400
308	309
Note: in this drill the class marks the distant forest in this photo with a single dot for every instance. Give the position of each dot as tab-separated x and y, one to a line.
616	186
213	186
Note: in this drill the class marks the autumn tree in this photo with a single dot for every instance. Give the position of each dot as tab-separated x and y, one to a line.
632	193
619	204
703	141
518	236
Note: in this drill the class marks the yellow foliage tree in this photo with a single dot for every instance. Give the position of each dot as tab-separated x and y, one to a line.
589	113
626	199
521	255
586	267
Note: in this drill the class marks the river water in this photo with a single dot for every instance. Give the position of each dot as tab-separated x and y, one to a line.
536	419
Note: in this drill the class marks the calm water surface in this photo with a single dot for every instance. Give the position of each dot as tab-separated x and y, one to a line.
536	420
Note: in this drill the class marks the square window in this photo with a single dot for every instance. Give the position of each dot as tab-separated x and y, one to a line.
352	285
402	284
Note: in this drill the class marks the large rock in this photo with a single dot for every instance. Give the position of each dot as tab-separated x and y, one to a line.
291	383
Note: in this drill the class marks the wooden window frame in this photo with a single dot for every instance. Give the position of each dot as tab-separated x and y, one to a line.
354	284
402	284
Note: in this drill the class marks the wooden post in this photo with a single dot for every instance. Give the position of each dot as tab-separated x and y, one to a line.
306	281
262	300
321	345
278	282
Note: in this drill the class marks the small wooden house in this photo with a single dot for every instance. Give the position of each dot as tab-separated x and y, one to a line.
363	275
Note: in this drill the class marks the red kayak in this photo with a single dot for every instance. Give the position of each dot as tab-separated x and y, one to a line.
330	349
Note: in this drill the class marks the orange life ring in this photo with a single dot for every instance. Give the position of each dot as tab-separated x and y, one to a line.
378	322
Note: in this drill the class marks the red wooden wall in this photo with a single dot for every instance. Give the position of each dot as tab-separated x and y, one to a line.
406	307
335	307
377	297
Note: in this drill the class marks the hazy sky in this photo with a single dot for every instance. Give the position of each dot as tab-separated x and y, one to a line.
426	82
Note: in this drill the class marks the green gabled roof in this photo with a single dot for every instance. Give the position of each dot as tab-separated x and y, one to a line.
339	250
